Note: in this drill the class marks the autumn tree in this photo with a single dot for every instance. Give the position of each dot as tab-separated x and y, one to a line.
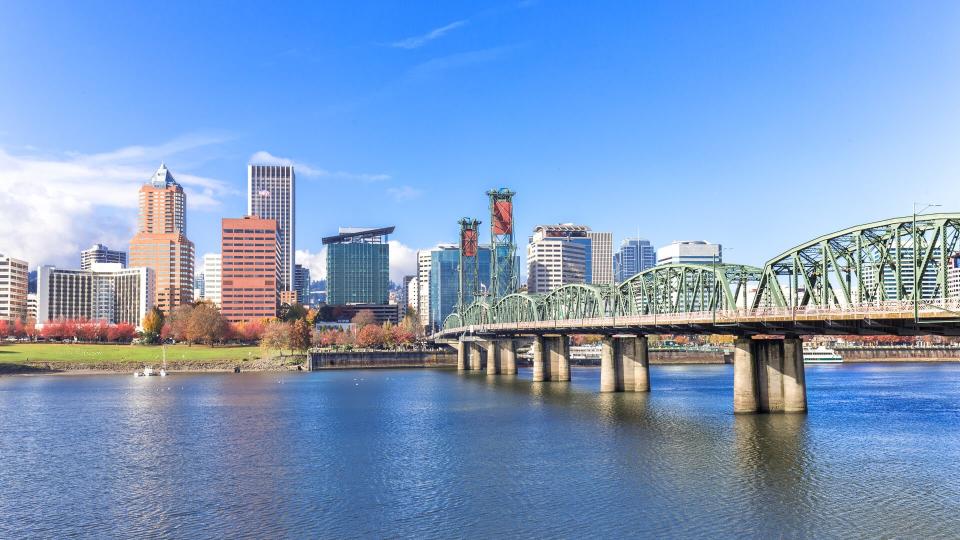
276	337
206	324
363	318
179	321
300	335
153	325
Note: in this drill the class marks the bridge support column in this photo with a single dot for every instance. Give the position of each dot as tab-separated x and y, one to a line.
476	362
508	357
641	370
608	367
461	356
559	358
744	377
540	367
794	378
768	376
626	364
493	357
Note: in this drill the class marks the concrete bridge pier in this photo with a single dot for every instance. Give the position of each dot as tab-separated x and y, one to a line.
624	364
493	356
462	353
559	357
541	368
768	376
476	358
508	357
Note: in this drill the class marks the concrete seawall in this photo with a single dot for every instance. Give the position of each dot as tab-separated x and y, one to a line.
381	359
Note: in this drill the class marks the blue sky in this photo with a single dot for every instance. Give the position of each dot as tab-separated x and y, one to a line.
757	125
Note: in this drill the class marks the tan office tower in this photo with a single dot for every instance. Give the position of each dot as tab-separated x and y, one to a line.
161	242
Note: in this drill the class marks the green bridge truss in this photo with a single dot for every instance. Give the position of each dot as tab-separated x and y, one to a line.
867	264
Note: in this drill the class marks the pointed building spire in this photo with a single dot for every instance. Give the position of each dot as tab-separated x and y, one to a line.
162	178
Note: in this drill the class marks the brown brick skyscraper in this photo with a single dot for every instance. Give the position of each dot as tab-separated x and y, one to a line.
161	242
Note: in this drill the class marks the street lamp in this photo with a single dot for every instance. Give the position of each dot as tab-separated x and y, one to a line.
916	273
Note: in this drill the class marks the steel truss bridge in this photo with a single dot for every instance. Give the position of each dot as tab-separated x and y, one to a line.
888	277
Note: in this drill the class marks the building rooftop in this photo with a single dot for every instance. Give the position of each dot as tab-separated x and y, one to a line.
162	178
359	235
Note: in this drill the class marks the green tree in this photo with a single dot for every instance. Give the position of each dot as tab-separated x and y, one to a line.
294	312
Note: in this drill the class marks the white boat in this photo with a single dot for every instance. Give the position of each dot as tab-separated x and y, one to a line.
821	355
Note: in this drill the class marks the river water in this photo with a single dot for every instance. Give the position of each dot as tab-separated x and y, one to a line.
430	453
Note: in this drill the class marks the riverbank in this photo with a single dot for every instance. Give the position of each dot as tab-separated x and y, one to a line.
44	358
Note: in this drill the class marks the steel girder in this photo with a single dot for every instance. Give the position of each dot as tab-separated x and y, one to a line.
476	313
579	301
453	320
686	288
517	307
865	264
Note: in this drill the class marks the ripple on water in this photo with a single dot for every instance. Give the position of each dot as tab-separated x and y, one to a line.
423	453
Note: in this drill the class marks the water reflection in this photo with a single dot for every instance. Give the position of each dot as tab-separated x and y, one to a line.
434	453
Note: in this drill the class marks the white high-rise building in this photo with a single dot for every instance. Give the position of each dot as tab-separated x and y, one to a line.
953	276
107	292
212	276
271	191
690	252
100	253
413	293
14	275
601	257
422	305
554	262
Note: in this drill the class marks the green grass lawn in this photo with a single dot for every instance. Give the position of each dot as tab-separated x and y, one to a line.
15	353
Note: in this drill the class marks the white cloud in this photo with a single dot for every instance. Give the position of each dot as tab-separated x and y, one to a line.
419	41
57	204
404	193
263	157
316	262
403	261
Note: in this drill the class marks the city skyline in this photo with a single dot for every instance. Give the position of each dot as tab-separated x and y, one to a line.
734	119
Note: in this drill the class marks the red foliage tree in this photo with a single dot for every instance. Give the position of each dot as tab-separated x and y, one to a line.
5	329
121	333
370	336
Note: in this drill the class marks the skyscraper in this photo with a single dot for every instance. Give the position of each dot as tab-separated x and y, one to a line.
422	299
635	256
358	266
271	191
601	257
558	255
161	242
13	289
301	283
212	271
445	280
250	269
100	253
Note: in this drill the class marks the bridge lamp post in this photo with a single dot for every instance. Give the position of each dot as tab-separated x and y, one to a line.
916	273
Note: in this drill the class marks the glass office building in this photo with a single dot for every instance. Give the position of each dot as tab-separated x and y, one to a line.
358	266
445	281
